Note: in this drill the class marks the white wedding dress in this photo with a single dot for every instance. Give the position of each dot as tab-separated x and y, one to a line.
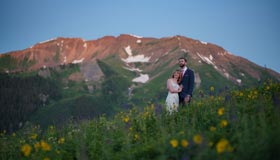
172	99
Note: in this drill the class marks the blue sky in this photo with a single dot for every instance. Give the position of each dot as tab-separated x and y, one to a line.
246	28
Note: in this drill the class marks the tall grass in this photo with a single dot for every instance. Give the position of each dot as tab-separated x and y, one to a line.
242	124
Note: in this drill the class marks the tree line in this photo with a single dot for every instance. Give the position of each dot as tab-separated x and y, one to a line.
20	96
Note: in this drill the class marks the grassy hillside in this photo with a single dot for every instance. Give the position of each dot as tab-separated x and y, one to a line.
110	94
211	78
243	124
77	103
7	62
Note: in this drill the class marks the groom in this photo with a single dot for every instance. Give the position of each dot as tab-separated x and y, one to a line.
187	82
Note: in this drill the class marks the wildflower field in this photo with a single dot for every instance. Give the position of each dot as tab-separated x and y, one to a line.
239	124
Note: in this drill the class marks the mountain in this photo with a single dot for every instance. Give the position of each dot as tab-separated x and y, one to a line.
113	73
132	49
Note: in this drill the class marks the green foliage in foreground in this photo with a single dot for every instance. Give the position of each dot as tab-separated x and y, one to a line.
241	124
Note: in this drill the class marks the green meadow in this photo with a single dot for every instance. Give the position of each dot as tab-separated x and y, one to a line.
236	124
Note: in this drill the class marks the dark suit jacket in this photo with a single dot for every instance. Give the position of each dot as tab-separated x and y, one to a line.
188	84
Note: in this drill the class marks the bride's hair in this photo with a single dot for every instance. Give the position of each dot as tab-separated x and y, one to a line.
180	75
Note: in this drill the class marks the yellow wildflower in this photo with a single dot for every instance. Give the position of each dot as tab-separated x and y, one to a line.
250	96
222	145
126	119
184	143
45	146
221	111
136	136
197	139
152	106
37	146
223	123
241	94
26	150
174	143
212	88
14	134
34	136
212	129
61	140
146	114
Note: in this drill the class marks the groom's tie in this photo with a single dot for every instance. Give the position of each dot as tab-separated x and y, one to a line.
182	72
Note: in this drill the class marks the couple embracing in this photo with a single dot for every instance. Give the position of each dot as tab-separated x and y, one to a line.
180	87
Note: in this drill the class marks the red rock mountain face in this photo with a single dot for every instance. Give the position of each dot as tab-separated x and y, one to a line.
75	50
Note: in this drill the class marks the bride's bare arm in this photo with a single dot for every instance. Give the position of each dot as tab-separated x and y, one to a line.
170	88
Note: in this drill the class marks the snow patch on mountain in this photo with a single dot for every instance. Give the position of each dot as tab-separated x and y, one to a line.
133	69
143	78
226	75
47	40
238	81
210	60
85	45
136	36
203	42
136	58
211	57
206	59
78	61
128	50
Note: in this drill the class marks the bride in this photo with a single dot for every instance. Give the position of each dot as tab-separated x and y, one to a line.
172	99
